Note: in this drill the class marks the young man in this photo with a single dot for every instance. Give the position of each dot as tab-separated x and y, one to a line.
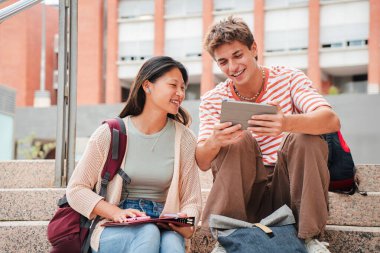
281	159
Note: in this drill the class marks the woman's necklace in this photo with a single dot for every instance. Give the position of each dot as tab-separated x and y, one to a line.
257	94
162	131
158	137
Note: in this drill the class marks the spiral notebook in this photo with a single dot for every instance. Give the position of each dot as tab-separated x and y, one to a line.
178	221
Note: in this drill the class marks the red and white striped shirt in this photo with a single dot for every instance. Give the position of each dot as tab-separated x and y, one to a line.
290	87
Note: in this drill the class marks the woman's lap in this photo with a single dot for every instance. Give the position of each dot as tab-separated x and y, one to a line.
141	238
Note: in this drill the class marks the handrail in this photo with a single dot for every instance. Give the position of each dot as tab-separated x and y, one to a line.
15	8
67	96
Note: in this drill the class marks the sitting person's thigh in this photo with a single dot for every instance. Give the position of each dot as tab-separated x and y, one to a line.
141	238
172	242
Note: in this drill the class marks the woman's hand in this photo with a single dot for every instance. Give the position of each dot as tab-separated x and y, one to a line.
121	215
186	232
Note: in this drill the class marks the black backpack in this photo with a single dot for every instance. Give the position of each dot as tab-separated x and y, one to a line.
340	164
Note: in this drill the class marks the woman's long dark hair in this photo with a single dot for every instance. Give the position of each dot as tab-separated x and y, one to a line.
151	70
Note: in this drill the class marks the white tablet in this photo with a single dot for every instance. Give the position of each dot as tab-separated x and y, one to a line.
239	112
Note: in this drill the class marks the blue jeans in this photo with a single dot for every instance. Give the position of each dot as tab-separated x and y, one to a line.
144	238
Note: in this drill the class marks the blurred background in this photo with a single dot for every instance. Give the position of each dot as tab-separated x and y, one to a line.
335	42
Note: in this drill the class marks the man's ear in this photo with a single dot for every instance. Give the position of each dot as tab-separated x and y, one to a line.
254	49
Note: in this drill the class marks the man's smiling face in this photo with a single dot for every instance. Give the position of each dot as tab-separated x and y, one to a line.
237	61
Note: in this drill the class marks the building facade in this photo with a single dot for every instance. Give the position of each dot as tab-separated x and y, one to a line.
336	42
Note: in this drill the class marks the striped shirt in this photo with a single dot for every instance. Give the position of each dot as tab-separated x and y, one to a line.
290	87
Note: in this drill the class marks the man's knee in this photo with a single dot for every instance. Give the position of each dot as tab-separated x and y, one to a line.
307	141
246	146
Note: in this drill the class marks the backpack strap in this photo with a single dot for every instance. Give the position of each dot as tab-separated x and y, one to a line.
111	167
117	149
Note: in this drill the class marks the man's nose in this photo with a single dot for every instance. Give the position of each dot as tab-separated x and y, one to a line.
233	67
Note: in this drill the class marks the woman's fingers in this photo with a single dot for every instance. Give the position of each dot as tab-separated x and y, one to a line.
186	232
136	212
164	226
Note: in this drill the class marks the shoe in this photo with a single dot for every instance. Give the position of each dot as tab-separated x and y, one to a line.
315	246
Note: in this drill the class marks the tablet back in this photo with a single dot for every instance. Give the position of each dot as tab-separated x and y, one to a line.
239	112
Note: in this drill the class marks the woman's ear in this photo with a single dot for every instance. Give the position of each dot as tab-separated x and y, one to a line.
146	86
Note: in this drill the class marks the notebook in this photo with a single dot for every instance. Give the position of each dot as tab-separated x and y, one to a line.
178	221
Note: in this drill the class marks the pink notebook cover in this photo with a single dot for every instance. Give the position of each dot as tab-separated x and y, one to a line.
183	222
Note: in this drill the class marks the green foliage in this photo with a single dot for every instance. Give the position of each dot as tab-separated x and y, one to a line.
333	90
32	148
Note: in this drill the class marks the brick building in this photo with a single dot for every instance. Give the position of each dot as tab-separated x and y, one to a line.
336	42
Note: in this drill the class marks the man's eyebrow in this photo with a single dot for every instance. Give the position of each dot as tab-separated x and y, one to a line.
220	59
234	54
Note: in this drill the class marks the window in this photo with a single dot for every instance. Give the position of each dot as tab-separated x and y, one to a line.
183	37
284	3
233	5
183	7
344	24
135	45
286	30
135	8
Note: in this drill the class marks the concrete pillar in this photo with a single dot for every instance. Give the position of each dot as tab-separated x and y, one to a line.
112	89
374	48
259	24
314	68
159	27
207	82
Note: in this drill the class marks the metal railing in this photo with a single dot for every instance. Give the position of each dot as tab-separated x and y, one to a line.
67	91
15	8
67	82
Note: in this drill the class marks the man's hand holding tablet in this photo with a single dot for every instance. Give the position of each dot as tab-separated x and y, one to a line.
239	112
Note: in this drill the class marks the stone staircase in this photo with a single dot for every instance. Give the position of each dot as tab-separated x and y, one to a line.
28	201
353	224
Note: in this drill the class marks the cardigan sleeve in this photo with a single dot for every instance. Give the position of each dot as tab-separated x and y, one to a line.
190	187
79	192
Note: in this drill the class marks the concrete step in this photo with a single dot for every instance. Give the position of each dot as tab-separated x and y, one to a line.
353	210
352	239
27	173
27	204
24	237
342	239
30	236
368	175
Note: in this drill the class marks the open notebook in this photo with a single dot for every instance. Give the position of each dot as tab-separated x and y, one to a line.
178	221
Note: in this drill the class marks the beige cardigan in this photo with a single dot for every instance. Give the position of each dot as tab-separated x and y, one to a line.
184	194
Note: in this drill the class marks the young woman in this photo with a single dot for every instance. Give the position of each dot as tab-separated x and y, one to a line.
160	160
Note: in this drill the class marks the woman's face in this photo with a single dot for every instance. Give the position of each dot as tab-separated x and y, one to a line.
168	91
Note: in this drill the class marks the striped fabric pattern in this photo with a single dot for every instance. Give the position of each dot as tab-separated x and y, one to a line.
291	87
